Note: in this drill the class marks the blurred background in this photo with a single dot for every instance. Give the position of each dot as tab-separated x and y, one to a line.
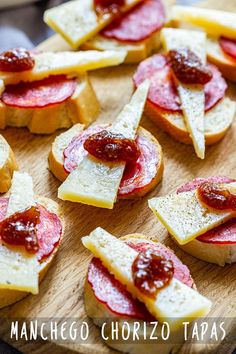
21	22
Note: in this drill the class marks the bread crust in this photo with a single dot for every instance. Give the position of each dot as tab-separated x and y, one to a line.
82	106
218	120
225	63
56	158
9	296
7	165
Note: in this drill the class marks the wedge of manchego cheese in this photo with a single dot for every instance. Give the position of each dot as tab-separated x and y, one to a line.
185	217
77	21
18	269
214	22
95	182
175	303
64	63
192	97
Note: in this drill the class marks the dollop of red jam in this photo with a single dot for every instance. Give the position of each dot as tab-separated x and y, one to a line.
217	196
108	146
19	229
151	272
188	68
16	60
113	7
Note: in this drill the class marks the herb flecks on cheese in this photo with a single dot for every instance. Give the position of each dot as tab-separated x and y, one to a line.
185	217
65	63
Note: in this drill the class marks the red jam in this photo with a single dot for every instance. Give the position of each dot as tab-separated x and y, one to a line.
16	60
103	7
19	229
151	272
108	146
188	67
216	196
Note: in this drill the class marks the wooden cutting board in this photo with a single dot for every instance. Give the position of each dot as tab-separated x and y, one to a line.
61	292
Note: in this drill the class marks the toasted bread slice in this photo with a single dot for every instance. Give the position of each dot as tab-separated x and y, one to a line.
220	254
7	165
56	158
9	296
225	63
217	121
99	313
82	107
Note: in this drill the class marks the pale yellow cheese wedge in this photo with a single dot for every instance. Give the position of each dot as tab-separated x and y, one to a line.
214	22
18	269
175	303
185	217
66	63
21	193
77	20
192	97
94	182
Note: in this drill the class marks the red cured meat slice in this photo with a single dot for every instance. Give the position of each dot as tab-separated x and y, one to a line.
223	234
138	24
137	174
163	93
140	173
49	229
43	93
228	46
111	292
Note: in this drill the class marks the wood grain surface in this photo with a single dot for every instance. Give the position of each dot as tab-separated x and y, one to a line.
61	292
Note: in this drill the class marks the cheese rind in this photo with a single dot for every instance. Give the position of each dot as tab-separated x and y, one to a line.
192	97
65	63
174	303
214	22
77	20
94	182
185	217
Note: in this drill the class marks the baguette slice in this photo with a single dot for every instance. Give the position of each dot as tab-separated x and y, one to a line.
217	121
56	157
82	107
77	21
7	165
94	182
225	63
174	303
100	312
20	272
